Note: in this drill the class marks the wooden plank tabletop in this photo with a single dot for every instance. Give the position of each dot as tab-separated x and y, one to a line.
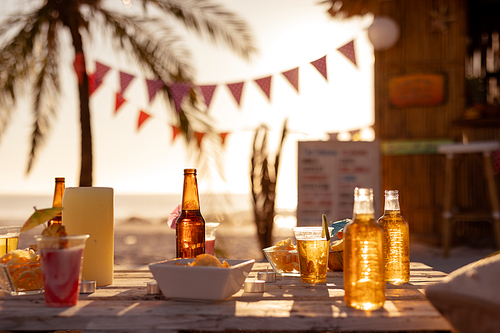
287	305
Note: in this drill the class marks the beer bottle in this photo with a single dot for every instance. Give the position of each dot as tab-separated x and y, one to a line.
396	240
364	282
190	226
57	201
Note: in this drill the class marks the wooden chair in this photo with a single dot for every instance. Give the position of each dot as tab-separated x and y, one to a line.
449	216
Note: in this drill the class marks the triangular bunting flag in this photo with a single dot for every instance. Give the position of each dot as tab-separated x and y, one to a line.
348	51
236	89
125	80
79	65
320	65
208	92
153	87
175	131
292	76
178	92
265	84
223	138
92	88
199	137
100	72
118	101
143	116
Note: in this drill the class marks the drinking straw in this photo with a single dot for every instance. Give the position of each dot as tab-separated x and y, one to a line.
325	228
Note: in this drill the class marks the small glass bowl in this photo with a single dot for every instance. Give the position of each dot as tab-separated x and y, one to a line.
21	278
283	262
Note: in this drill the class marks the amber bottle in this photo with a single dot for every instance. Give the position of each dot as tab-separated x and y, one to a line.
364	282
190	226
57	200
396	240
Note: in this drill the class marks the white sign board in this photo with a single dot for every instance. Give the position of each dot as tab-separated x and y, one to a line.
328	172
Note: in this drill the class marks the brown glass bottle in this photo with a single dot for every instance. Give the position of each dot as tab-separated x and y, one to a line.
57	201
190	226
396	240
364	282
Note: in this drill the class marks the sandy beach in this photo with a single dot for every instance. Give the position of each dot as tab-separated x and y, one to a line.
140	245
139	242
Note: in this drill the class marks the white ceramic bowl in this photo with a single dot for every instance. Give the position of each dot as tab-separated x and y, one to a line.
178	281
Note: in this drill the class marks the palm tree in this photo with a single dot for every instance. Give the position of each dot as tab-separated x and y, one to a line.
29	56
263	180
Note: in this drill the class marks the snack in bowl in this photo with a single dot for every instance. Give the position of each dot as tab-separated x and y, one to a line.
283	257
207	260
179	279
336	255
21	272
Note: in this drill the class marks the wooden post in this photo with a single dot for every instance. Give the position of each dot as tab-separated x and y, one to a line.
447	205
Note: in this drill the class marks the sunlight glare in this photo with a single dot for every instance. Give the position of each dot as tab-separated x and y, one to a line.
150	161
285	221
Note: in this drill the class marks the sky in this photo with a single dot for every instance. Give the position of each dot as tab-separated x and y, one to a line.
288	34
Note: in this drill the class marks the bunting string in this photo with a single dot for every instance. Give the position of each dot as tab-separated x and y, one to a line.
179	89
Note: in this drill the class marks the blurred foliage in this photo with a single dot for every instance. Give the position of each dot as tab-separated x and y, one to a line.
263	179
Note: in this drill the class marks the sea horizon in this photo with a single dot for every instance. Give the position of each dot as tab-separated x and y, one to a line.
16	208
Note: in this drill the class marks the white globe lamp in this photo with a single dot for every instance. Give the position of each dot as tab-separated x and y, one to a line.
383	33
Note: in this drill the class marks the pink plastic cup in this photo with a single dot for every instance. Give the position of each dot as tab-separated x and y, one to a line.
210	235
62	259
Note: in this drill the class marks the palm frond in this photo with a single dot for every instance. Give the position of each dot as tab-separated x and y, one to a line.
263	180
32	52
46	91
207	17
29	49
14	66
163	56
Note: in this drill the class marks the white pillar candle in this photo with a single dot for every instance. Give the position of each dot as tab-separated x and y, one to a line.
89	210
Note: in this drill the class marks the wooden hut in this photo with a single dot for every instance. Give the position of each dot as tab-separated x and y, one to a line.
435	42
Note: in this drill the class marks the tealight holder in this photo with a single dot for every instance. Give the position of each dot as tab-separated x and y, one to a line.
255	286
152	288
269	277
87	287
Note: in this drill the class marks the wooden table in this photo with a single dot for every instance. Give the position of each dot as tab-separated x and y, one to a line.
287	305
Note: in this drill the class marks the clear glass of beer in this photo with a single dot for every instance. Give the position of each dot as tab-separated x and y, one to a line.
312	247
9	238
